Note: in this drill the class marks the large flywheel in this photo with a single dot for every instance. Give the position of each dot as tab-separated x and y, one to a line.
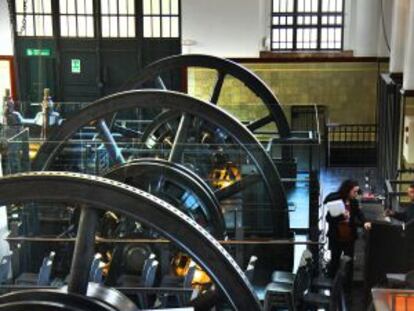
224	131
92	193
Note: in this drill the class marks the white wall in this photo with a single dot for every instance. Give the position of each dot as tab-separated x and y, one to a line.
6	46
231	28
236	28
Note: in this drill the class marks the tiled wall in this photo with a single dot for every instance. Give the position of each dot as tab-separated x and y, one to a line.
348	89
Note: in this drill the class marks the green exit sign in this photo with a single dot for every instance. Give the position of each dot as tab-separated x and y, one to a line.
76	65
37	52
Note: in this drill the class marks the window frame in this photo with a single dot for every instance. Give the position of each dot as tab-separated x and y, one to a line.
118	15
161	15
76	15
295	26
33	15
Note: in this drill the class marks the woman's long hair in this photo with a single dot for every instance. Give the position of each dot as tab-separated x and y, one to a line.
346	187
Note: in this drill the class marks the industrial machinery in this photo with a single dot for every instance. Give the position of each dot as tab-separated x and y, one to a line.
154	148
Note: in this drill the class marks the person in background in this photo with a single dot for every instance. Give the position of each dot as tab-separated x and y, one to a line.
342	231
408	214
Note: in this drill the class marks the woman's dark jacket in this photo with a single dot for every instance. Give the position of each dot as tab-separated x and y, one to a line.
355	214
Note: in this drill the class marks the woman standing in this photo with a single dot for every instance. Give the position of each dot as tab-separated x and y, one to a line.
342	231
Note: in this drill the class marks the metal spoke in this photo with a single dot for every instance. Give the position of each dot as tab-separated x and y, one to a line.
260	123
110	144
217	87
84	251
236	187
160	83
126	131
180	138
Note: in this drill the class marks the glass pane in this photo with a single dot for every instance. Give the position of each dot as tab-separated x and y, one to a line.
147	7
275	20
47	6
113	26
339	20
282	35
332	6
131	7
276	46
290	5
301	6
283	5
338	34
289	35
81	6
62	6
307	20
324	20
175	7
19	6
165	6
81	26
123	7
29	7
105	26
314	5
290	20
282	20
308	6
166	27
275	6
89	26
156	27
325	5
39	27
123	27
332	20
104	7
38	6
29	30
113	7
63	26
175	27
314	20
89	7
48	25
275	34
340	6
72	25
131	27
155	7
147	27
71	7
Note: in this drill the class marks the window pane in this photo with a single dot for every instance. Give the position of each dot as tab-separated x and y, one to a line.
29	30
165	7
89	7
39	27
131	26
71	7
147	7
314	5
290	5
19	6
301	7
123	7
72	25
175	27
81	26
156	27
325	5
38	6
276	6
155	7
166	27
174	7
105	26
131	7
113	7
104	7
89	25
48	25
81	6
123	27
64	26
29	7
147	27
113	26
